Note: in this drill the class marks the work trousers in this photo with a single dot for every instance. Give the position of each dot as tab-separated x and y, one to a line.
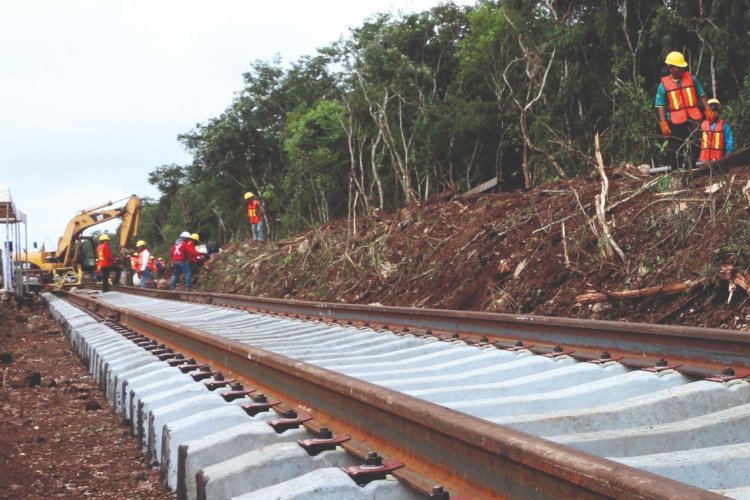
179	268
258	230
683	145
145	277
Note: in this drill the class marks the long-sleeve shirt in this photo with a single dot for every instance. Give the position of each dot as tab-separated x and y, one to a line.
145	259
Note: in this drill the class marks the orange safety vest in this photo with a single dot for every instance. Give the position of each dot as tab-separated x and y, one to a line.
683	101
253	211
104	256
152	264
712	142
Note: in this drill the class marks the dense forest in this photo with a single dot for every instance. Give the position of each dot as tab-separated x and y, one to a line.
409	105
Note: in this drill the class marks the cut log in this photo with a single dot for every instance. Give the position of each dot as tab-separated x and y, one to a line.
740	279
640	293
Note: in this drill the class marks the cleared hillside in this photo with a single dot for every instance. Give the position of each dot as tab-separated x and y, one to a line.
683	243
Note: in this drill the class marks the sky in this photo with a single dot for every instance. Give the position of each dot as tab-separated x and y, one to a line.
93	93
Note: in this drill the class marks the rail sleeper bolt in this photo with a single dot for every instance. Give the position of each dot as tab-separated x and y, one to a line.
439	493
455	336
661	363
373	460
288	414
557	348
236	386
519	343
728	371
260	398
605	355
325	433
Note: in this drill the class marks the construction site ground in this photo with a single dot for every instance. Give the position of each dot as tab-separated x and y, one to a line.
58	436
542	251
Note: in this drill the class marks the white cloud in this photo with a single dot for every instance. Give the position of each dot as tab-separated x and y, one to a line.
95	92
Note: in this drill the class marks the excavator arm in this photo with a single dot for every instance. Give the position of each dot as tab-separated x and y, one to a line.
130	213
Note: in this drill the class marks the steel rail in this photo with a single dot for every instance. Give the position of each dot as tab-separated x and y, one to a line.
698	351
471	456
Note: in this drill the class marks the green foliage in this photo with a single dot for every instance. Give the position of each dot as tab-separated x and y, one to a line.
406	106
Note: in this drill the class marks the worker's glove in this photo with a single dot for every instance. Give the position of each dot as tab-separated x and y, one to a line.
665	128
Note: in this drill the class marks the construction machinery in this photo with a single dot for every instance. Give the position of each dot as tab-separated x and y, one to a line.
76	253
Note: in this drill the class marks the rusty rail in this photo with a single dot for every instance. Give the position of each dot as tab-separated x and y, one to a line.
470	456
698	351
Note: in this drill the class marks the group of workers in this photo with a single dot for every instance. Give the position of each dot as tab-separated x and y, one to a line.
183	254
683	110
141	263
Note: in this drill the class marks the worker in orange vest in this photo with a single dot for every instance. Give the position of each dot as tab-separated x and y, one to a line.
133	261
255	216
716	135
679	99
104	260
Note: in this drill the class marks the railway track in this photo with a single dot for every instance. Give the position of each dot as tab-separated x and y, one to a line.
454	403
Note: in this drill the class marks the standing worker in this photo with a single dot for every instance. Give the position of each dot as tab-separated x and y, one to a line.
716	135
677	100
255	216
104	260
133	261
144	263
198	257
182	253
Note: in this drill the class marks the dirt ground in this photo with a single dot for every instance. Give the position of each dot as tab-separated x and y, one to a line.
529	252
58	436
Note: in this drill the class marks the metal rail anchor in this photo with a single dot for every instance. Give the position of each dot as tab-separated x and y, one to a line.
289	420
324	442
260	404
373	469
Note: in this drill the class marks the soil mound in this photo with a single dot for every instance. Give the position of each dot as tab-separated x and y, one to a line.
667	249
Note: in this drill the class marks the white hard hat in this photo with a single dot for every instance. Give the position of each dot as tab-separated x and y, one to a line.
184	234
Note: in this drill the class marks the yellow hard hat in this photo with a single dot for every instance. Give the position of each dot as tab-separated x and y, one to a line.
249	195
104	237
195	236
714	101
140	243
676	59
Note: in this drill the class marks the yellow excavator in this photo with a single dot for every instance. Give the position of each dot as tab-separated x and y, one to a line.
76	253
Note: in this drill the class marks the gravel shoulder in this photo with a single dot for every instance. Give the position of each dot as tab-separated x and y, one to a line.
58	436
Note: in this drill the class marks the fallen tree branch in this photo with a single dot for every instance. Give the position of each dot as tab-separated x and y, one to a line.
601	203
740	279
640	293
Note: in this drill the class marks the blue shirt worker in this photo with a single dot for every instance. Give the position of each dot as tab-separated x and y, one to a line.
679	99
717	140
